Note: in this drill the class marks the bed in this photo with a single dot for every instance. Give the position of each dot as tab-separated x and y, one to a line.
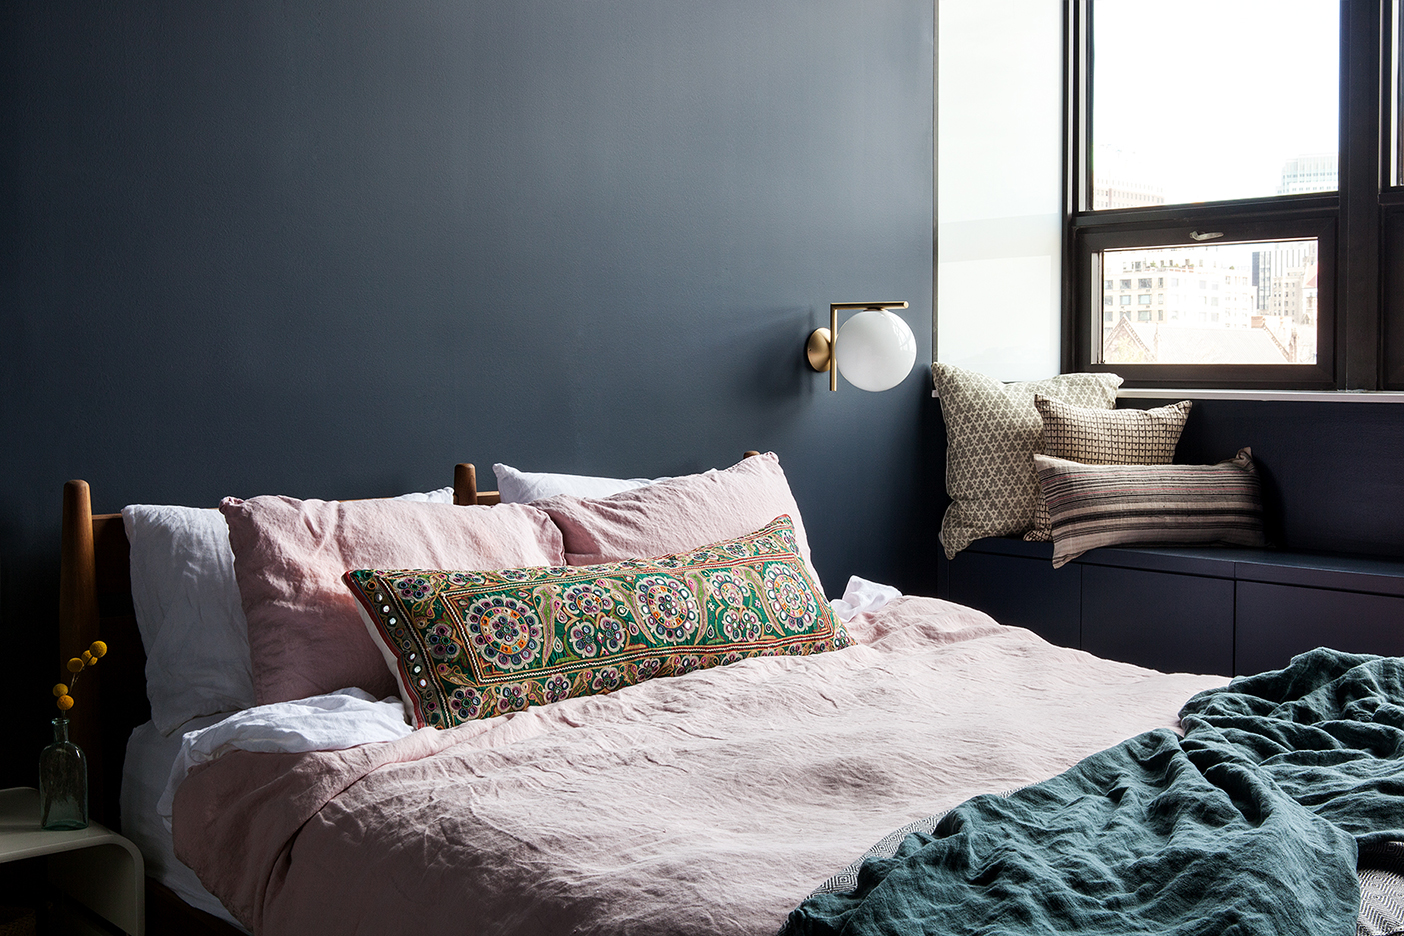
712	801
96	599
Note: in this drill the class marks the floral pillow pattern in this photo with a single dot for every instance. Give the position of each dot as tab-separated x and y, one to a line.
468	645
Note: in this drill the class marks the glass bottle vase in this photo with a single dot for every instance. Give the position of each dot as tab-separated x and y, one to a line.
63	782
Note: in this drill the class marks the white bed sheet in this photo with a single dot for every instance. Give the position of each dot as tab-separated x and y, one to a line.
150	755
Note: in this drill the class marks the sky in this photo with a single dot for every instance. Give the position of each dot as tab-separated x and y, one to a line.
1209	98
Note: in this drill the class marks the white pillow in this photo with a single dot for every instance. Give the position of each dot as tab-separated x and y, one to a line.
189	613
523	487
440	496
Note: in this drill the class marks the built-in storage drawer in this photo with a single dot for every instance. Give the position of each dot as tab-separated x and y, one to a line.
1173	623
1192	609
1276	622
1022	593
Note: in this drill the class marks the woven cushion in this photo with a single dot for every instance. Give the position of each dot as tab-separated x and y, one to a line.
992	432
1151	505
467	645
1105	437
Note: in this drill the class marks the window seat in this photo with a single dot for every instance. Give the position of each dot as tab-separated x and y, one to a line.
1206	609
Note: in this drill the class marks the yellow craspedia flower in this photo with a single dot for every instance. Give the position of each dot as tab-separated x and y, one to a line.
75	665
65	702
60	689
98	648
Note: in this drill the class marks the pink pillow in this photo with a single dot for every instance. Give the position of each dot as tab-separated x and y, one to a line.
678	514
305	635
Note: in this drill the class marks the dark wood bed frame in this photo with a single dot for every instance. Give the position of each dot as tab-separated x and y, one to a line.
95	602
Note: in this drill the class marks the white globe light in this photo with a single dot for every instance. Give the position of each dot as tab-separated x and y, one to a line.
876	350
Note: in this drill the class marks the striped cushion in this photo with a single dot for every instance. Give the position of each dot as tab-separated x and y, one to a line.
1105	437
1150	505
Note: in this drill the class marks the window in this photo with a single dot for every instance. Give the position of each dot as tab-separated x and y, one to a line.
1255	145
1000	216
1272	195
1143	283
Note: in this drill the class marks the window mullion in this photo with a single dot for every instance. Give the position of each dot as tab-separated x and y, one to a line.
1358	273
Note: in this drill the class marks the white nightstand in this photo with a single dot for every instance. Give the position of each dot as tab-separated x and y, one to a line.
95	866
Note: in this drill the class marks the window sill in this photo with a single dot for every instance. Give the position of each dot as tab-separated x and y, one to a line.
1304	396
1300	396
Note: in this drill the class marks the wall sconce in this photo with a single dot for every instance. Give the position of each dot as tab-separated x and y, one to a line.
878	347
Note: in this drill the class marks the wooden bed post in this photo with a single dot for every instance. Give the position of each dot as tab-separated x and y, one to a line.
465	484
78	611
78	627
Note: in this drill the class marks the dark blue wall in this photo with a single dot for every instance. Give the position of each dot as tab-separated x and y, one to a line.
332	247
1333	473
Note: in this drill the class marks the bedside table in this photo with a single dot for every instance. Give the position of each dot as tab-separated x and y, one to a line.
95	866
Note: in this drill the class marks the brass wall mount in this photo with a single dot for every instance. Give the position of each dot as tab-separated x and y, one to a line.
822	347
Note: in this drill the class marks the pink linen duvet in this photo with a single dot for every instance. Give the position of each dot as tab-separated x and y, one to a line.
710	803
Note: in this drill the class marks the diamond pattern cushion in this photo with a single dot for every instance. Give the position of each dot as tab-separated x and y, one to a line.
466	645
992	433
1105	437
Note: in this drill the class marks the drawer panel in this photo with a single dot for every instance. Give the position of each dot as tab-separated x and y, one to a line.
1173	623
1276	622
1020	592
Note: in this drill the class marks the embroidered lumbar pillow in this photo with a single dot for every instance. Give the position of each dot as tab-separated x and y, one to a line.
466	645
1105	437
992	432
1151	505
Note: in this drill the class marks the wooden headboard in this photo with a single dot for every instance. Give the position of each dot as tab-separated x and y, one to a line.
95	602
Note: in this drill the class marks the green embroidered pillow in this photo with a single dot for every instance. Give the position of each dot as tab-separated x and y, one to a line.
467	645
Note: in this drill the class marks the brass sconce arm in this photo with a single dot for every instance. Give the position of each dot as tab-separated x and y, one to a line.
822	347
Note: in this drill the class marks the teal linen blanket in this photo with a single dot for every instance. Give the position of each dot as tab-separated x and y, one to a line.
1249	824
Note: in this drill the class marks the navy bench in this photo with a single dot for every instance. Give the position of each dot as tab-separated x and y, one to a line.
1186	609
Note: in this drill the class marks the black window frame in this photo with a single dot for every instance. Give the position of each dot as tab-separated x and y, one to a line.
1360	297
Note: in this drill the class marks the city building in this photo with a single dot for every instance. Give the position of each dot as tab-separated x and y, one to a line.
1190	287
1118	181
1204	305
1303	174
1273	264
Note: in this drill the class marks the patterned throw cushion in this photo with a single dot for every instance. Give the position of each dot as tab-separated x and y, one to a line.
1151	505
467	645
1105	437
992	432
